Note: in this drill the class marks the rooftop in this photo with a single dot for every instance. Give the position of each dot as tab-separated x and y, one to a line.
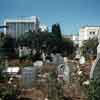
90	26
22	19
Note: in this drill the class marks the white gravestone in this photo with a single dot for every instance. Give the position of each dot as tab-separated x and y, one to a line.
63	72
82	60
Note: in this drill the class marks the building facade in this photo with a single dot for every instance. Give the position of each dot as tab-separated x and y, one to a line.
16	27
74	38
88	32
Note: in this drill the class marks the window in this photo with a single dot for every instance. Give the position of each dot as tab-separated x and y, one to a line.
93	33
90	32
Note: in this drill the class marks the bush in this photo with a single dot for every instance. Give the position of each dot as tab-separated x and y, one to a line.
94	88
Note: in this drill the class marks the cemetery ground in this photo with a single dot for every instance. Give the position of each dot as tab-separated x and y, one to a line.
46	84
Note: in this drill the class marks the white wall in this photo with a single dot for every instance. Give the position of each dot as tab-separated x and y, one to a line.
87	32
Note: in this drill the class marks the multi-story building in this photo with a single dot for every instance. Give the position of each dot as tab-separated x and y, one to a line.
16	27
88	32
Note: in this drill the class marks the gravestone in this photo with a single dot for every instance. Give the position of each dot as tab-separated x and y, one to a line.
28	76
57	59
64	72
82	60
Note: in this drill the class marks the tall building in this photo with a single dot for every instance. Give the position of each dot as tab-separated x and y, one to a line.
16	27
88	32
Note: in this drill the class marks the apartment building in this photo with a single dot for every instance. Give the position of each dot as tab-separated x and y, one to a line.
16	27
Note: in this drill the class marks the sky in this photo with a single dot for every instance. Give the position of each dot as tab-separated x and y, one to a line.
70	14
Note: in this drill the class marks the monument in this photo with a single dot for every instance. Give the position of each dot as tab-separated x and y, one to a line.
82	60
28	76
57	59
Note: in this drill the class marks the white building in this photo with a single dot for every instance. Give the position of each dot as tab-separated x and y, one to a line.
75	39
88	32
16	27
68	36
28	76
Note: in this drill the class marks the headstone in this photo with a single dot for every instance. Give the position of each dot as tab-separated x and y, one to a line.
57	59
82	60
38	64
20	51
43	57
65	59
98	47
63	72
60	59
28	76
54	59
67	73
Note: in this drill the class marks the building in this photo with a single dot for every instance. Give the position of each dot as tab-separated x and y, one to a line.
67	36
74	38
16	27
88	32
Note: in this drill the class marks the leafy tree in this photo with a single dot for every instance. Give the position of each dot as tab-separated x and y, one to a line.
56	30
47	42
68	47
94	88
89	47
2	39
35	40
9	45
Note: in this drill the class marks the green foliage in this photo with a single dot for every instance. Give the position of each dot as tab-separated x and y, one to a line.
94	89
56	31
7	45
68	46
2	39
55	87
89	47
37	40
8	93
47	41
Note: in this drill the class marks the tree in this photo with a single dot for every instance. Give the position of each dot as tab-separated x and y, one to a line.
89	47
94	88
68	47
9	45
2	39
56	30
